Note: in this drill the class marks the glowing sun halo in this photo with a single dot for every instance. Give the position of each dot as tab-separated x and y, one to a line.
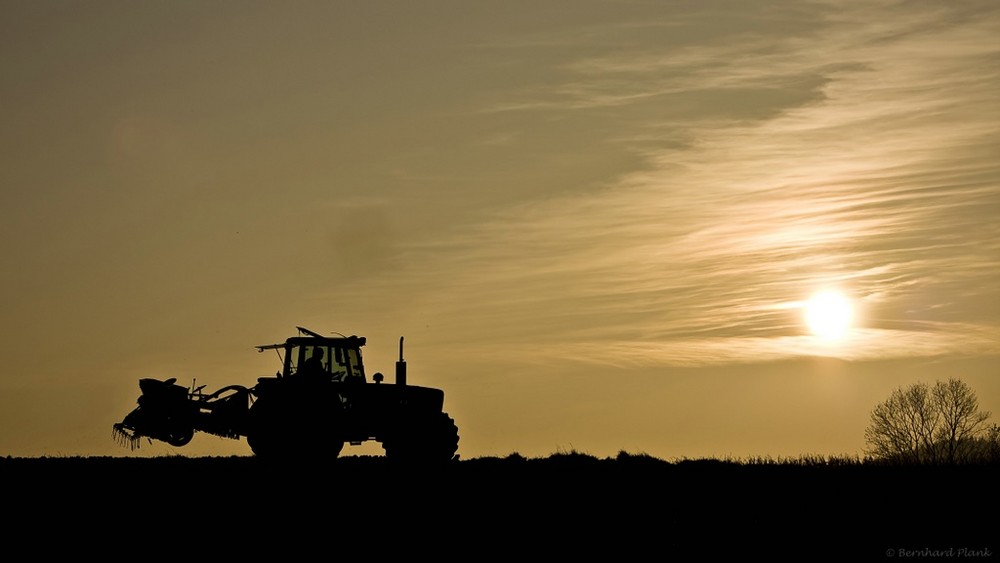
828	314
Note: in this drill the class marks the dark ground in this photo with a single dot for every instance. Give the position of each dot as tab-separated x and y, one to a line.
564	507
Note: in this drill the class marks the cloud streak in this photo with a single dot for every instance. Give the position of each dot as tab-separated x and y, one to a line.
872	177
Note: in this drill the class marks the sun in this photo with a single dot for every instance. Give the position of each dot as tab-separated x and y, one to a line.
828	314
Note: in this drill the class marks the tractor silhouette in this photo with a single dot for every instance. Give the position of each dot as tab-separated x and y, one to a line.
320	400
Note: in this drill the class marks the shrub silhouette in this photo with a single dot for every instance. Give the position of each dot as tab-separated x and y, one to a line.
939	424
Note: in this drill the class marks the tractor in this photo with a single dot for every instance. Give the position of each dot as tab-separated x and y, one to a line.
320	400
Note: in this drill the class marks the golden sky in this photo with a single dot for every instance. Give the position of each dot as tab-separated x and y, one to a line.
595	223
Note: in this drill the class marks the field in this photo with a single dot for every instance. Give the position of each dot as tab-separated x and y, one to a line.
563	506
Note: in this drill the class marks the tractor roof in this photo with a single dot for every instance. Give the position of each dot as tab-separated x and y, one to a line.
314	339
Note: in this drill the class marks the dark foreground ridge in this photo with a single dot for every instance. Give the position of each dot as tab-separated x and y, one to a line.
560	506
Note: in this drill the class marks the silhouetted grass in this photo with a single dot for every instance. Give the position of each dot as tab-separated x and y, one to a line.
848	508
571	458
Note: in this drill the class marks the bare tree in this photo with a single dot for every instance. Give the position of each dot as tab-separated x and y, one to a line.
924	424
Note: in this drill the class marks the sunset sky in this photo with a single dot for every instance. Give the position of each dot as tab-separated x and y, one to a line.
594	222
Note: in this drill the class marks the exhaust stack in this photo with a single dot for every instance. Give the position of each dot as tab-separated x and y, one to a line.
401	365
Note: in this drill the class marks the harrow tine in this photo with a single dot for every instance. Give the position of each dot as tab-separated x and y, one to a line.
124	437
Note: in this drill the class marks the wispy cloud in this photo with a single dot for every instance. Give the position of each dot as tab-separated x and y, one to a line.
875	178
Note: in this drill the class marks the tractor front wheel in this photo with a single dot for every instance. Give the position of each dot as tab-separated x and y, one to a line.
431	439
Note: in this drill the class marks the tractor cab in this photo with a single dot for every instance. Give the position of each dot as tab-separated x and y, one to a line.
320	357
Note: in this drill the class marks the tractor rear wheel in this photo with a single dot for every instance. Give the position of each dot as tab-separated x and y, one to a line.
280	432
288	444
